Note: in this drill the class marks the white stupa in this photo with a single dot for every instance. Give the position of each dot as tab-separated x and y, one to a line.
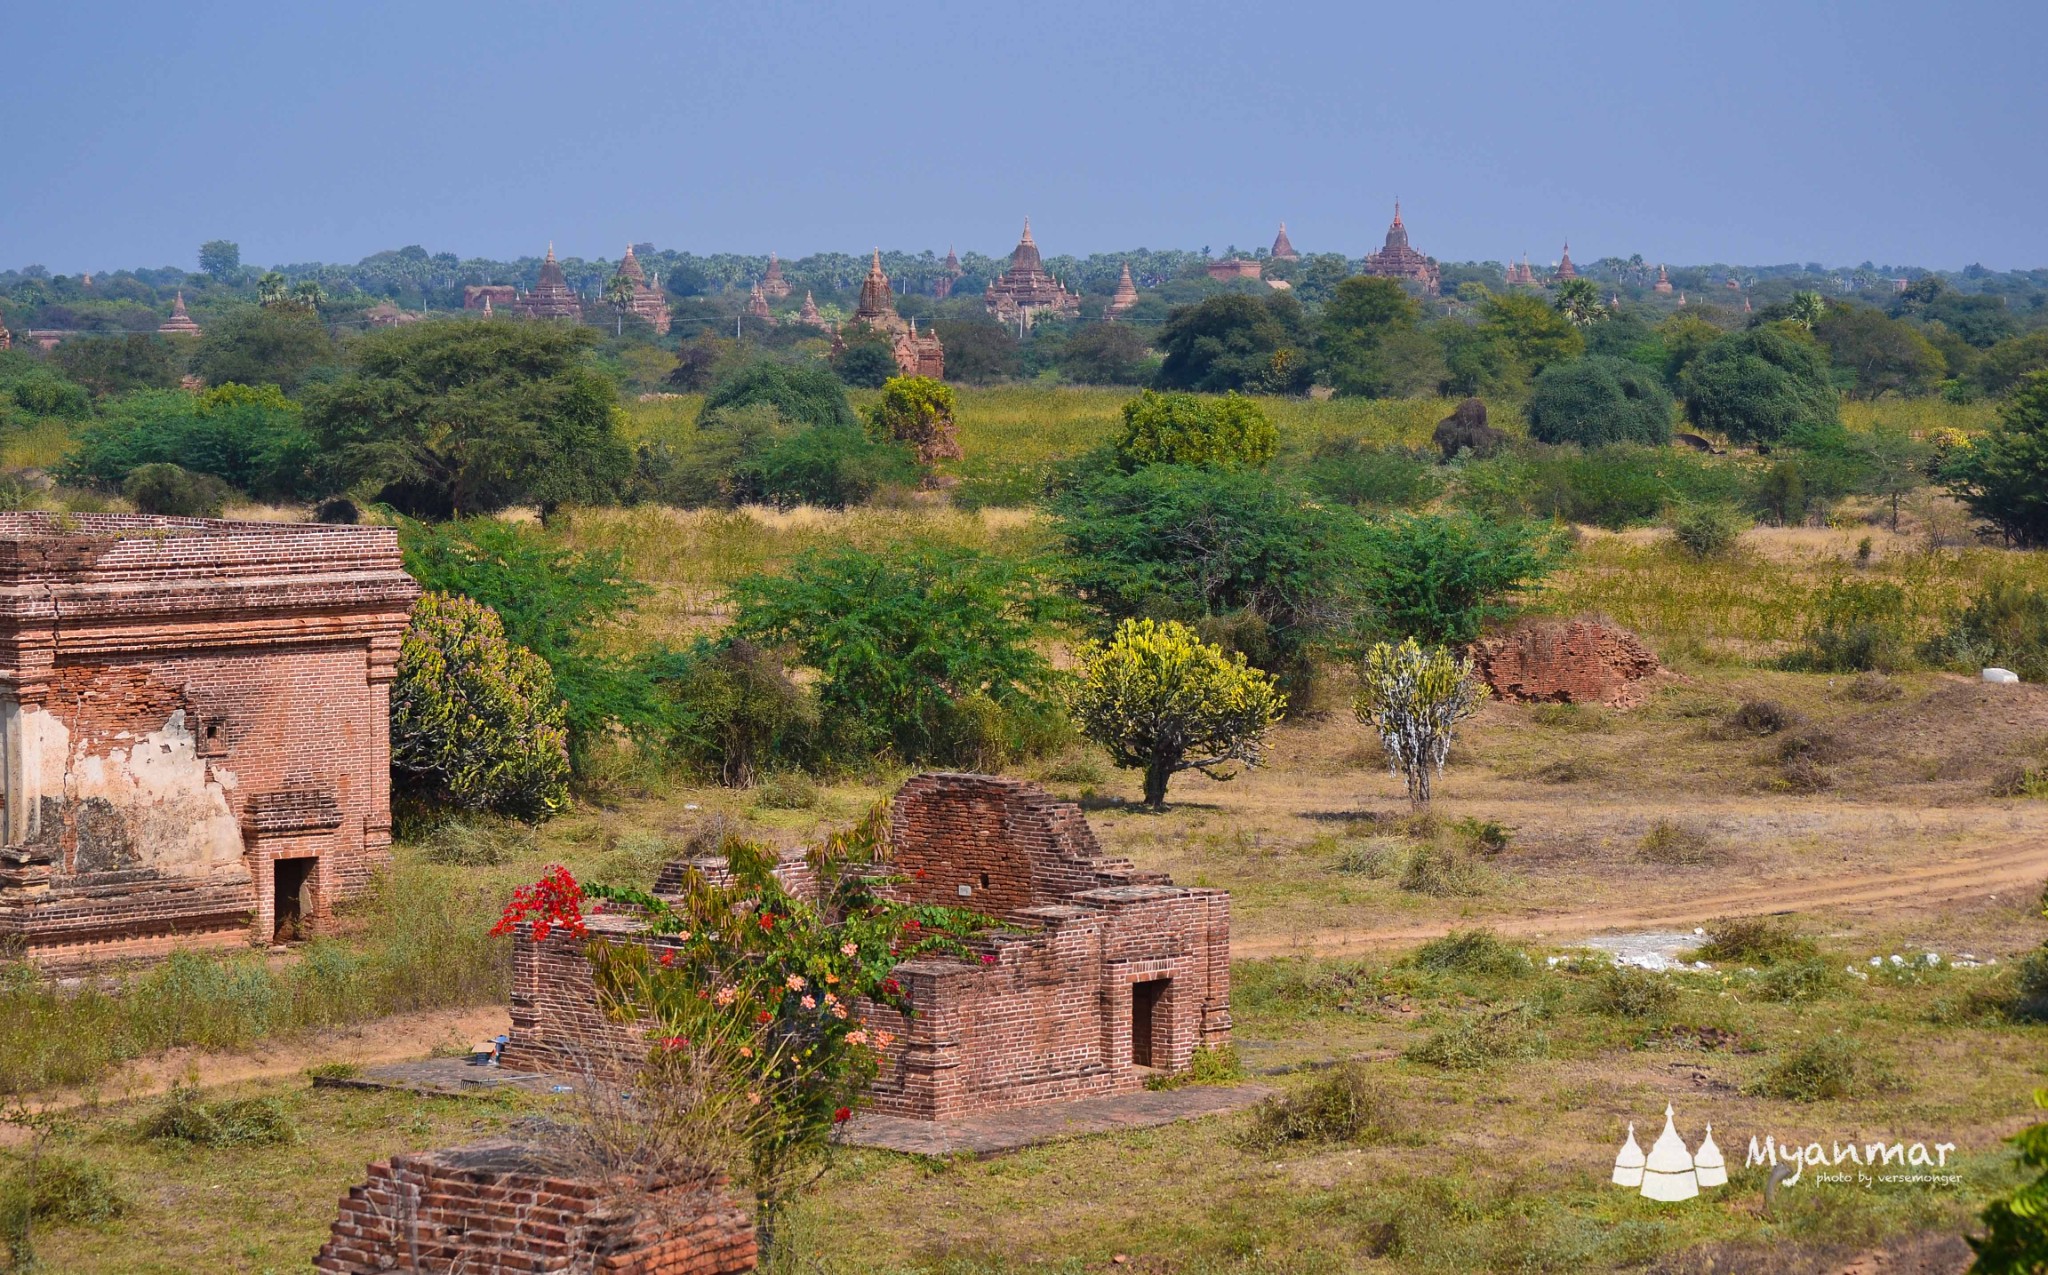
1710	1168
1668	1174
1628	1165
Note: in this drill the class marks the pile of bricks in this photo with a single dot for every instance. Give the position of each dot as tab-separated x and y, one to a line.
505	1206
1565	662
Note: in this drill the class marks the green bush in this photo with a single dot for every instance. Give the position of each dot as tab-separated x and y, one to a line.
1483	1038
803	393
1598	400
833	466
179	493
1480	952
2003	474
1797	982
1349	472
185	1117
735	711
1758	385
2004	626
35	390
787	790
1678	845
1824	1069
1441	578
61	1190
474	718
1443	872
1344	1105
1624	991
1754	940
1187	429
1860	626
251	439
1707	531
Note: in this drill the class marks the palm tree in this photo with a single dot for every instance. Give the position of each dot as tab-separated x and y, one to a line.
1807	307
1578	300
308	294
271	289
618	293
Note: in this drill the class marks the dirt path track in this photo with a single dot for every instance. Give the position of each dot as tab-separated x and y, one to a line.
2019	865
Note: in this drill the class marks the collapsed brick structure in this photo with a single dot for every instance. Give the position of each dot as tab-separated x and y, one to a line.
194	728
1582	661
1235	268
1110	974
505	1206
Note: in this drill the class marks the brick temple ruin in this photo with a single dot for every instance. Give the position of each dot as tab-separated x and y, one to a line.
1110	975
194	728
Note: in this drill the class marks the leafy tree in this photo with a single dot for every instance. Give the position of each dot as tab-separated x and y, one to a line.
552	601
1755	386
1597	400
1232	552
2005	625
474	718
1685	337
905	642
1807	310
1162	700
1533	334
2003	474
1185	429
252	439
2015	1239
834	466
455	417
2007	363
736	711
803	393
917	412
1578	300
1356	326
168	489
1441	577
978	350
221	258
266	345
1234	342
30	388
1880	354
120	364
618	294
1104	354
1414	699
1894	461
866	365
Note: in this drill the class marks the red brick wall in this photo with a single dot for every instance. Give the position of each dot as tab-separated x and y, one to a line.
501	1206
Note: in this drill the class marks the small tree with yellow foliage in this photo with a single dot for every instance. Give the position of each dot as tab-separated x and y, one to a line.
1414	699
1162	700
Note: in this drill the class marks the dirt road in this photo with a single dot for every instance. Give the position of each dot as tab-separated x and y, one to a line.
2019	867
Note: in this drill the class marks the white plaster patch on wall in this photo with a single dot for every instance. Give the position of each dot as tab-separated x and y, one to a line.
177	812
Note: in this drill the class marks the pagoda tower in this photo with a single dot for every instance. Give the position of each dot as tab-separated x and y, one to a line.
1396	260
1663	283
647	301
552	297
1565	268
773	285
877	306
1283	247
180	323
1126	295
1025	290
809	314
947	273
757	305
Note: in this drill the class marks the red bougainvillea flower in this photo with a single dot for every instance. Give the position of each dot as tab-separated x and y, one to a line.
553	902
761	1017
891	986
842	1115
988	958
675	1042
767	920
920	874
668	958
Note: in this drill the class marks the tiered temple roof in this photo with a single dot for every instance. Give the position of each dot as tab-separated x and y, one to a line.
757	305
1126	295
180	323
919	353
773	285
647	300
1283	247
1663	283
1025	290
877	306
809	314
947	273
1519	272
552	297
1398	261
1565	268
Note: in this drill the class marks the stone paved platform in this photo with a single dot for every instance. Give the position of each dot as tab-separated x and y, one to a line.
447	1076
1008	1130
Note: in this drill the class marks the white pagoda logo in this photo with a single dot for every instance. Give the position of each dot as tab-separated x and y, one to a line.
1670	1173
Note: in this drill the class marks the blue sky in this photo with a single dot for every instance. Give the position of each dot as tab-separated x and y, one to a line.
1726	131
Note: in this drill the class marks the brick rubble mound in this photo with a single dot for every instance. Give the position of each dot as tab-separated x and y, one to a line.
1565	662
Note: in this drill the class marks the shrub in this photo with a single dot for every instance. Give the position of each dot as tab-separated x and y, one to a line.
2015	1239
1208	1065
1758	385
1161	700
1375	858
1598	400
1480	952
735	710
1678	845
1753	940
1760	717
1480	1039
787	790
832	466
475	841
61	1190
917	412
2030	974
1441	578
1804	775
2003	475
1414	701
1348	472
474	719
1627	992
1344	1104
1484	836
866	365
1443	872
1824	1069
1186	429
1707	531
235	1122
250	439
1860	627
2005	625
1797	982
1873	687
1815	746
179	493
802	393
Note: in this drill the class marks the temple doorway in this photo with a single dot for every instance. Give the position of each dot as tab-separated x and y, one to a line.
292	898
1146	998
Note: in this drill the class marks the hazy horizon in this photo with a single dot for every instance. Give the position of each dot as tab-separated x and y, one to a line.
1747	135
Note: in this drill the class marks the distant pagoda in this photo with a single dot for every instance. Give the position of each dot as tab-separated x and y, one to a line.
1565	268
757	305
1520	273
1025	290
877	307
916	353
1398	261
552	297
1663	283
180	323
773	285
1283	247
947	273
1126	296
809	314
647	301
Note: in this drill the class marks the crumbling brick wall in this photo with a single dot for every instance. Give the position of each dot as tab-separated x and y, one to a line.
1581	661
1050	1017
183	704
505	1206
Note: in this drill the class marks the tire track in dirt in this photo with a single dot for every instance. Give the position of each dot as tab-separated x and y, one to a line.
2019	865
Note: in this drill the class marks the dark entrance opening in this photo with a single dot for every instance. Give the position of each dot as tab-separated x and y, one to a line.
292	898
1145	1002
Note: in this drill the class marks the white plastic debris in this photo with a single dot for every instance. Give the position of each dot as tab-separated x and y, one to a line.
2000	676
